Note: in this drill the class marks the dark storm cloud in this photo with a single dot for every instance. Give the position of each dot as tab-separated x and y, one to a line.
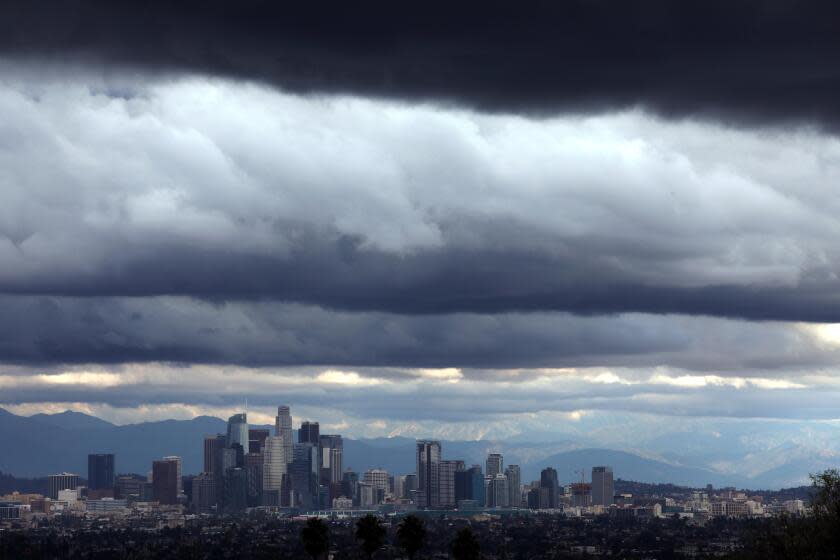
747	61
50	330
335	274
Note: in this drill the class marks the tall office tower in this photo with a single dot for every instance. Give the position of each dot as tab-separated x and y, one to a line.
399	487
236	490
332	449
495	464
350	486
254	469
336	463
378	480
237	431
275	470
603	487
549	497
211	444
304	475
309	433
256	439
367	494
410	485
62	481
283	428
177	460
497	491
469	485
446	482
225	458
428	472
165	481
514	477
204	492
101	471
534	498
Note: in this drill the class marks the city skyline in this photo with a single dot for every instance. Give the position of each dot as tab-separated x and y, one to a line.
250	468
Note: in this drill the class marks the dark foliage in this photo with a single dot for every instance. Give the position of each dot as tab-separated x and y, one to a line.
316	538
411	535
465	546
371	533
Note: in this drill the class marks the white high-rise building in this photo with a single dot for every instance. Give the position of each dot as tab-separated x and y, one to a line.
275	466
603	487
283	429
497	491
378	480
495	464
367	494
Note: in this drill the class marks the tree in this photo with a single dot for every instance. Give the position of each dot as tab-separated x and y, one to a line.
826	495
316	538
465	546
411	534
372	534
815	537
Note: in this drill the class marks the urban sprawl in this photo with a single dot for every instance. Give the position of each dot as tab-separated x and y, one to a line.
250	471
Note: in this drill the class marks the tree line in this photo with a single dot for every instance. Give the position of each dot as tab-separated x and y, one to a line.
371	536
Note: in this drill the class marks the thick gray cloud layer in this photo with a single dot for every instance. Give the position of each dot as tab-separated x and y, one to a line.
750	60
227	192
47	330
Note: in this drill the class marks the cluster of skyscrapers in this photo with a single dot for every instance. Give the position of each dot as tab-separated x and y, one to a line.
251	467
446	484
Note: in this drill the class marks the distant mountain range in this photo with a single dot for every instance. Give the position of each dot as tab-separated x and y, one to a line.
48	443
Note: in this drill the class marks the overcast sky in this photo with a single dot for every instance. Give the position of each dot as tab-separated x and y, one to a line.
421	220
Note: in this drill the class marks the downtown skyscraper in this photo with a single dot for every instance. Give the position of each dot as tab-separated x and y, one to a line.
277	458
100	471
603	486
428	473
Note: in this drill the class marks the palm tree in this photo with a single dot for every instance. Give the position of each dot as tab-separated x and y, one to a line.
372	534
411	535
465	546
316	538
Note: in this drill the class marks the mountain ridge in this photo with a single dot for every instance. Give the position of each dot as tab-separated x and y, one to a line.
50	443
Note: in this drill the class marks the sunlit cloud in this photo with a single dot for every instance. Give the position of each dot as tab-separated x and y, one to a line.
346	378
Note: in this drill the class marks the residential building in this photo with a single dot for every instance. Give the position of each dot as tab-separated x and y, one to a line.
495	464
62	481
